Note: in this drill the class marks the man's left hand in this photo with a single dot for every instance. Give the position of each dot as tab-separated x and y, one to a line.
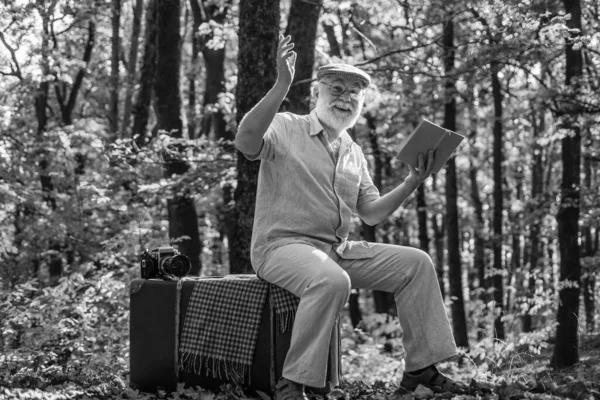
424	168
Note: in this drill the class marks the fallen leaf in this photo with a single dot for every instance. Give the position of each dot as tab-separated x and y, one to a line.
423	393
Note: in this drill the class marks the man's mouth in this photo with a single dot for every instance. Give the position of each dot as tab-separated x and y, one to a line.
342	108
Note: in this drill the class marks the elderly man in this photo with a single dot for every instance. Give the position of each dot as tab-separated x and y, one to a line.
312	179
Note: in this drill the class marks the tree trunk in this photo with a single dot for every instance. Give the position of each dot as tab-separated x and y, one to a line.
55	265
192	94
334	45
257	72
589	282
566	350
148	71
497	274
302	25
515	275
67	105
214	120
132	65
534	215
384	301
183	221
213	123
438	223
589	273
422	218
478	230
459	321
479	264
113	114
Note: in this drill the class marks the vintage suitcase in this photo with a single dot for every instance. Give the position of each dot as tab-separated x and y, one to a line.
154	339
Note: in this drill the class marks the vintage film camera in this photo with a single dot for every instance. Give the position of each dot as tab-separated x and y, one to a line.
165	263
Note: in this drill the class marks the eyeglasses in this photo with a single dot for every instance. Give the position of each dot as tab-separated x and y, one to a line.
338	89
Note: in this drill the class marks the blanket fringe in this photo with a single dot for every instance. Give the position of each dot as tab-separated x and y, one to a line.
285	321
234	371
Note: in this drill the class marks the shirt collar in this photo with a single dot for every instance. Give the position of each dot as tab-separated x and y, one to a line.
315	124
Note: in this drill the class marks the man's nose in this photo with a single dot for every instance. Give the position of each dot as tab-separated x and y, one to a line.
346	95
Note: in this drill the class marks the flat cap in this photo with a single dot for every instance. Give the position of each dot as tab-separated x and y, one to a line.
346	70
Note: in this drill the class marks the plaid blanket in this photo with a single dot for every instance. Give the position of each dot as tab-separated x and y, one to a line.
222	322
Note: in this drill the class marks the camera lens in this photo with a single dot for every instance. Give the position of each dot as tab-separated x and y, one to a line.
178	265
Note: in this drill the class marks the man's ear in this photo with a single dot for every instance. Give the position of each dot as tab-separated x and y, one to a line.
315	91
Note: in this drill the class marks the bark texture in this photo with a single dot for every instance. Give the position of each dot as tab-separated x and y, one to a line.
459	321
257	72
132	65
497	273
534	215
566	350
113	114
302	25
141	109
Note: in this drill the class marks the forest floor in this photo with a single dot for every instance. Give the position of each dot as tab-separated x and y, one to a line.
71	341
520	377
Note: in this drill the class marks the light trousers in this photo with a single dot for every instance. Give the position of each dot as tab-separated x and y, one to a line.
323	282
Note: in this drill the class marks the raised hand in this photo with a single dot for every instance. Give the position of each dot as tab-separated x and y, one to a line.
424	167
286	60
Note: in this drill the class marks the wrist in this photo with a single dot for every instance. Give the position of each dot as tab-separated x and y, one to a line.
412	181
282	84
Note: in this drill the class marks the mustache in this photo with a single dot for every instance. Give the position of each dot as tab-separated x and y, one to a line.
341	105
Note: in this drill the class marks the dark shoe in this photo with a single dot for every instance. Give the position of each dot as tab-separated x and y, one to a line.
433	379
288	390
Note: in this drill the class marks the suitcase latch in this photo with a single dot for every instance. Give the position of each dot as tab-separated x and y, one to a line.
136	286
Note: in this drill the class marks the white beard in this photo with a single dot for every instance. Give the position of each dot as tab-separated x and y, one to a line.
334	119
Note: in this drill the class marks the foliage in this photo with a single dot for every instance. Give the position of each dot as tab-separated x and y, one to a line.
109	196
72	341
65	334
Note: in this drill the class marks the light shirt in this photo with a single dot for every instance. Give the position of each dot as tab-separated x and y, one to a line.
305	194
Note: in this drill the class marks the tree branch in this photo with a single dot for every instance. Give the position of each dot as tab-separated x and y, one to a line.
87	55
405	50
16	69
197	12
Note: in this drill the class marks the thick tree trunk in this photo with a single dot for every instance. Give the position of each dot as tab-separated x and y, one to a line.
258	38
302	25
183	220
497	274
132	66
113	113
141	109
566	350
459	321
